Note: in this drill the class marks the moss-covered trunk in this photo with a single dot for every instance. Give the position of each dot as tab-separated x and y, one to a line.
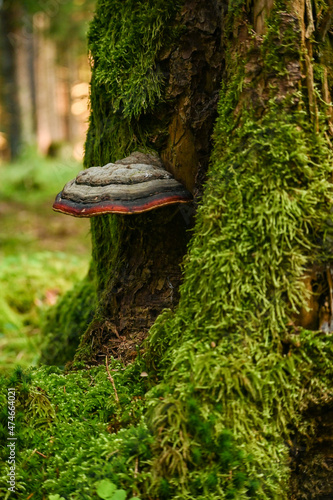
241	380
137	258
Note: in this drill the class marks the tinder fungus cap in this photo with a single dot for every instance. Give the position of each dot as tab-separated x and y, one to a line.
135	184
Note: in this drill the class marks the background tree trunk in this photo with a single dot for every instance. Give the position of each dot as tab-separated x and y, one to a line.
36	89
9	35
49	124
24	63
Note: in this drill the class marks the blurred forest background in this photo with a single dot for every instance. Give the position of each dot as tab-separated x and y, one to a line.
44	87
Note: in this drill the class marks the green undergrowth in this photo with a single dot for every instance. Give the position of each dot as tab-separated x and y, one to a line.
36	262
75	440
29	285
32	179
66	429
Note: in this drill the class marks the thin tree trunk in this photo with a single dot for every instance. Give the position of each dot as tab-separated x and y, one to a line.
24	55
9	38
49	126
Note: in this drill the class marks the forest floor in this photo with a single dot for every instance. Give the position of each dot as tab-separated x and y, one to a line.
42	253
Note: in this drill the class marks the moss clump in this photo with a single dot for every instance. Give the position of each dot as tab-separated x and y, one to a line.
127	83
261	223
71	421
64	324
124	39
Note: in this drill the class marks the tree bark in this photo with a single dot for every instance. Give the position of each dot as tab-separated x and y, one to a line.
24	57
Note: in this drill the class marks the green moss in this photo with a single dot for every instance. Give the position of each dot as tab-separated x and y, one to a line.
261	223
69	419
124	39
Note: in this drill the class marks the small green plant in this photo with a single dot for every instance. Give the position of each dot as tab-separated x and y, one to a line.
109	491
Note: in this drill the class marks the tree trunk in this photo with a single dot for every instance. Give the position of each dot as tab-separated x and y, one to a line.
24	57
234	357
140	262
9	38
50	129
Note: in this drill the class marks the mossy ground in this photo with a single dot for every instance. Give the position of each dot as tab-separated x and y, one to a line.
67	431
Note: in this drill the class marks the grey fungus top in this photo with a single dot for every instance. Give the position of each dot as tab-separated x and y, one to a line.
135	184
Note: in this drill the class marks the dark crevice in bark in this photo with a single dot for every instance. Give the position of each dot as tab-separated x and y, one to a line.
312	458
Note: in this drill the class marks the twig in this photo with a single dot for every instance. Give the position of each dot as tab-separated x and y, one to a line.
30	456
35	451
136	468
330	287
111	379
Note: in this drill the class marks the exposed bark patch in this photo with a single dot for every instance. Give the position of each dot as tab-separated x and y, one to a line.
261	11
312	465
194	72
317	315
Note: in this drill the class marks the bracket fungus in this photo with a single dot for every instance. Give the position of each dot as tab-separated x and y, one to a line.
134	184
